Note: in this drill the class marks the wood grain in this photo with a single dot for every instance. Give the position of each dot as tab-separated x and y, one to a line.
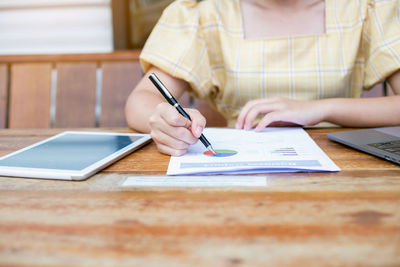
128	55
119	79
199	229
30	95
76	95
3	95
348	218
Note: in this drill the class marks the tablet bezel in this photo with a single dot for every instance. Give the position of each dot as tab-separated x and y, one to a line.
62	174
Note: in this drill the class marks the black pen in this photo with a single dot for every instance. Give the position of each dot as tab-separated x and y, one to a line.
171	99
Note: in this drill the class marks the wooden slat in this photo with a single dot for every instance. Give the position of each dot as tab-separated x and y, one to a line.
76	95
129	55
30	96
3	95
121	29
119	79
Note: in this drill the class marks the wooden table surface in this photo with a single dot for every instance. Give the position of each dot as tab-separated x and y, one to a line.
303	219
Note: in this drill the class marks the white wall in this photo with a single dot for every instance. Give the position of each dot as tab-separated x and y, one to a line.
55	26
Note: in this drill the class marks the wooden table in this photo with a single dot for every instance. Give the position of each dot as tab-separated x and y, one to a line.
304	219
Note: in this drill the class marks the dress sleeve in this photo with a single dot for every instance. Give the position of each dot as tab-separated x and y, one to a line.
381	41
177	47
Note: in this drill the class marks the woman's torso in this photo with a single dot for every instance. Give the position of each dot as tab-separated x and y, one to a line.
311	66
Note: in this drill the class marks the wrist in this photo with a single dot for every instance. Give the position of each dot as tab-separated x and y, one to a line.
325	109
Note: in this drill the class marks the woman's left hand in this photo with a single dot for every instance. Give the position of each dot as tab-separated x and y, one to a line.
280	111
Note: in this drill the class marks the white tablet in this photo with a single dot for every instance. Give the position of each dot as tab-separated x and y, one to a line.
71	155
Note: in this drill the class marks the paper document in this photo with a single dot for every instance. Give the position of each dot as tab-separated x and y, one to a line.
239	151
195	181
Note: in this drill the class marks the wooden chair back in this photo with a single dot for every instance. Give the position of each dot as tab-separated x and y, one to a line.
72	91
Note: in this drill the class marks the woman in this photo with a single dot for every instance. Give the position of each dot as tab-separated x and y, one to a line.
268	62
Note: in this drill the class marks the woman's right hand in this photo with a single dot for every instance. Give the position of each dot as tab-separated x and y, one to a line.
173	133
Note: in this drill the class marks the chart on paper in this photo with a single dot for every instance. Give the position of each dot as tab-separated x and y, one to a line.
221	153
285	151
239	151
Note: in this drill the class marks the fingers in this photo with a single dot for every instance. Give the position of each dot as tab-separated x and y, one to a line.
170	151
172	140
198	122
176	137
257	110
255	107
276	110
280	111
267	120
172	132
277	119
245	110
169	145
171	116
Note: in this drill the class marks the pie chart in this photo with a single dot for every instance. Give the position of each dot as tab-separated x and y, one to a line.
221	153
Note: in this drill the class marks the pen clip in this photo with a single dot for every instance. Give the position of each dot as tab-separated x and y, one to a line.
161	87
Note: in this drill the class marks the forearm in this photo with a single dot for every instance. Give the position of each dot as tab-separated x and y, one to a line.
145	97
363	112
139	107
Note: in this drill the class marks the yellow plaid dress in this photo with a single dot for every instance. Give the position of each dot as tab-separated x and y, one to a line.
203	43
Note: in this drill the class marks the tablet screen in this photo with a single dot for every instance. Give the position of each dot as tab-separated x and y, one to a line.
70	151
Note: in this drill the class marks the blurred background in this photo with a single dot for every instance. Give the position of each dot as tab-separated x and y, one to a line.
80	27
76	26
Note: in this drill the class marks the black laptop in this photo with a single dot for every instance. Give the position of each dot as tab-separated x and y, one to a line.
381	142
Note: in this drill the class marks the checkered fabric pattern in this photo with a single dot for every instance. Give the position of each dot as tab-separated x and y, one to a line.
204	44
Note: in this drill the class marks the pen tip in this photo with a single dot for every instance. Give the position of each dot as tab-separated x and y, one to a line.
212	150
